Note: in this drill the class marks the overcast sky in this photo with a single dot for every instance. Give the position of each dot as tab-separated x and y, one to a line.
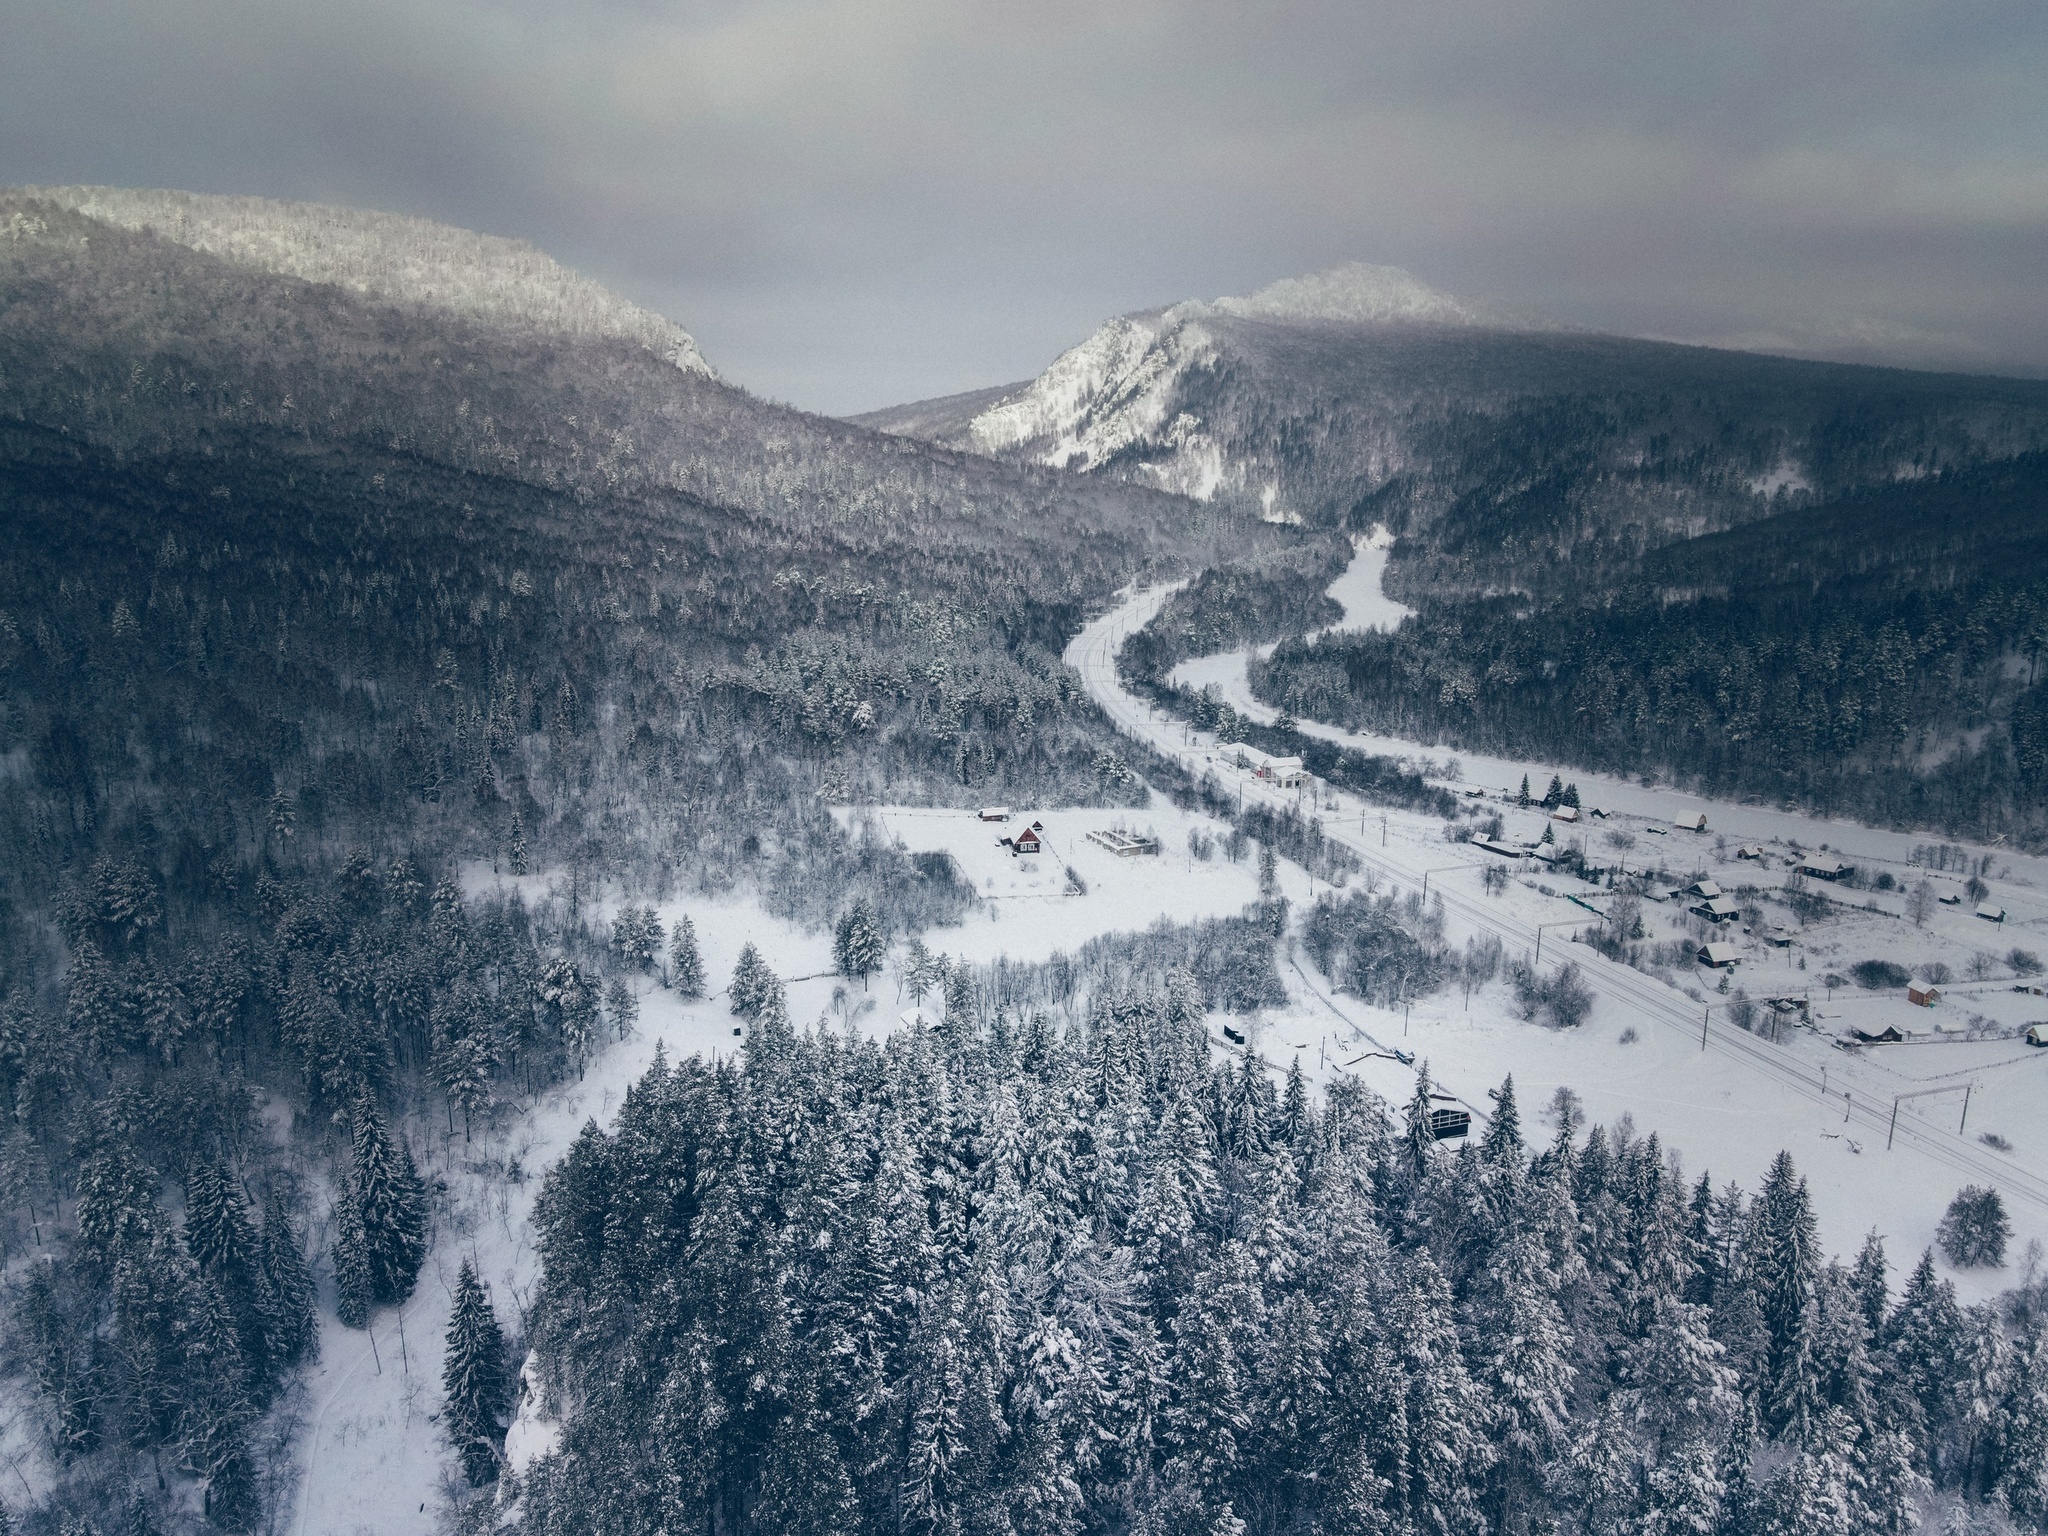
853	203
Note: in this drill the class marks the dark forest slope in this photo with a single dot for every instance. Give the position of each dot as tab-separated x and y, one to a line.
307	597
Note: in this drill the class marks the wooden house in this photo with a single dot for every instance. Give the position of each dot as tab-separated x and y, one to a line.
1922	994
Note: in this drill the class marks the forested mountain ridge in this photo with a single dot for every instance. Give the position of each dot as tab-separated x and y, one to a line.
309	597
1877	655
1513	449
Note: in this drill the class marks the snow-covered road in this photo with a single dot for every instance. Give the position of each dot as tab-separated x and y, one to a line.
1629	992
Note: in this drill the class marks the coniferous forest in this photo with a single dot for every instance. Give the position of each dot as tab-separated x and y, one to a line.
993	1277
331	611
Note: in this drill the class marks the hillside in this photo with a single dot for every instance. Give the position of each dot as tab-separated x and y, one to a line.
1498	448
342	557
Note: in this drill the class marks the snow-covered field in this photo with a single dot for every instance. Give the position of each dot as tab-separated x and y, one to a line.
374	1461
1730	1107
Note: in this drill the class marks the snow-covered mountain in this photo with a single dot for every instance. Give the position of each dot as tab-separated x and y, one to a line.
1361	394
1119	392
390	258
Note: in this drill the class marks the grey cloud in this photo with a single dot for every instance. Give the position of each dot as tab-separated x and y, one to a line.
857	203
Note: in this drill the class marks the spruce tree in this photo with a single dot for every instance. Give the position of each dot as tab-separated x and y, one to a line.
290	1330
218	1232
858	948
473	1376
391	1205
352	1285
686	966
1503	1143
754	990
516	851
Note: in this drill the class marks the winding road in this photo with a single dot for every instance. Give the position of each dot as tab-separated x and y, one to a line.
1092	653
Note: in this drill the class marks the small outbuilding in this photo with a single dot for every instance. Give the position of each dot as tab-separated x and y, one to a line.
1991	912
1706	890
1922	994
1822	866
994	813
1950	898
1565	813
1750	851
2037	1034
1889	1035
1122	844
1719	956
1690	822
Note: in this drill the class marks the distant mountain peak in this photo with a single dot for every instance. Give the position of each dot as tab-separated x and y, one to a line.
390	257
1357	293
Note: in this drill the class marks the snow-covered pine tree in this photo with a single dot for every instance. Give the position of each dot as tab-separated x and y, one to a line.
218	1232
755	991
1782	1259
516	852
474	1377
1975	1229
353	1289
622	1005
285	1298
858	949
390	1203
214	1409
686	965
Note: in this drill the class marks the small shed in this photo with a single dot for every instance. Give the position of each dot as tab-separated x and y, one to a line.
1691	821
1497	845
1778	938
1889	1035
1565	813
1706	890
1598	811
994	813
1657	891
1991	912
1718	956
1950	898
1716	909
1750	851
1922	994
2037	1034
1822	866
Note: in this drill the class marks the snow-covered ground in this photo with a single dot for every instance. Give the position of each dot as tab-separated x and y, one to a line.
373	1457
1024	904
1730	1106
1358	591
